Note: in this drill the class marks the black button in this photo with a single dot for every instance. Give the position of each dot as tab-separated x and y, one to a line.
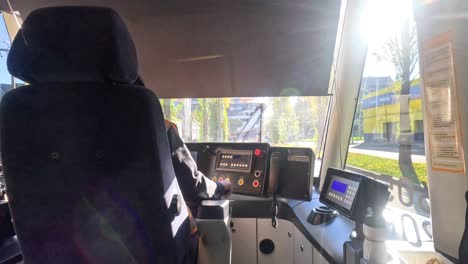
267	246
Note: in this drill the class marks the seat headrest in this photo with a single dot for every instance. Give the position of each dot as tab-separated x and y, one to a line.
73	44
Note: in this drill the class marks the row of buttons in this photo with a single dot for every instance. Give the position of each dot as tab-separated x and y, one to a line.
220	179
240	182
236	165
226	156
255	183
340	198
351	190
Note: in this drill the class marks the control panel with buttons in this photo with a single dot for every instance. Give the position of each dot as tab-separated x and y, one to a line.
234	160
353	195
245	165
257	169
343	191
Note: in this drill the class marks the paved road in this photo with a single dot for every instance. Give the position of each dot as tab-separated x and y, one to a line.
385	154
384	151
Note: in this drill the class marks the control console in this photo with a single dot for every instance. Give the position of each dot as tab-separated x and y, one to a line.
244	165
257	169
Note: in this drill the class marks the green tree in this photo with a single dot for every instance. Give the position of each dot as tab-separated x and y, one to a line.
278	133
284	126
226	102
303	111
172	109
290	119
318	114
218	123
214	107
201	115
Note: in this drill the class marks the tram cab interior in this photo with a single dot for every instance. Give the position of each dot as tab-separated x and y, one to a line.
339	126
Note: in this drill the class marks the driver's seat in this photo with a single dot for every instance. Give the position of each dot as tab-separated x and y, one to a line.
85	153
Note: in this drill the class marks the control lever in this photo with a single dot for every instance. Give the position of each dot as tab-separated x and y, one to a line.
214	228
273	184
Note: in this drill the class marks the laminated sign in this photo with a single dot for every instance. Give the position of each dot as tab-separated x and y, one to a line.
441	105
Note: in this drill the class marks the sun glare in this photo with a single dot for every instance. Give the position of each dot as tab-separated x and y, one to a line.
383	19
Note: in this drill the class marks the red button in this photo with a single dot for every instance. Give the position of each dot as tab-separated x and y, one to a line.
257	152
256	183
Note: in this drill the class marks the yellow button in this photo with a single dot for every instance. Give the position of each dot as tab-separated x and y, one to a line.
240	182
214	179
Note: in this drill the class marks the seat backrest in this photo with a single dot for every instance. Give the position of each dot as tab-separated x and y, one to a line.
85	153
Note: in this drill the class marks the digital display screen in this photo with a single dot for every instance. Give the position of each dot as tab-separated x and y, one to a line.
339	186
342	191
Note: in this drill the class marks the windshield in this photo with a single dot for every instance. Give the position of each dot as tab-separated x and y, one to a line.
282	121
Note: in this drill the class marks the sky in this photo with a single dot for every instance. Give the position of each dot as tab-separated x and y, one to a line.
4	44
376	68
382	20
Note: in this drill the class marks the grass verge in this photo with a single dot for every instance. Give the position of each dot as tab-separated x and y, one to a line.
383	165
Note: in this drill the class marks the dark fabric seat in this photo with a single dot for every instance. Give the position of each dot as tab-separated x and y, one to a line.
85	153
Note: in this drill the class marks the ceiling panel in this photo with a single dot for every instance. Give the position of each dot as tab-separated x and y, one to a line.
225	48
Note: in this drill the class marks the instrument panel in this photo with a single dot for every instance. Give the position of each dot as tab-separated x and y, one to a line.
353	195
234	160
244	165
342	191
258	169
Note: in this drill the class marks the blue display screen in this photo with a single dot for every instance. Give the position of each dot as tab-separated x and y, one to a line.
339	186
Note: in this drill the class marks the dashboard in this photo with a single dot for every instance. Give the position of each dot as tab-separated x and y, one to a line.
244	165
258	169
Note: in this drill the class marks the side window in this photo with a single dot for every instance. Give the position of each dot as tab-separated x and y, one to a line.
7	82
387	141
5	77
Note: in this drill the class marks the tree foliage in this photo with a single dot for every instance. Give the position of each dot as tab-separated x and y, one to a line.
211	116
201	115
290	120
226	102
284	125
172	109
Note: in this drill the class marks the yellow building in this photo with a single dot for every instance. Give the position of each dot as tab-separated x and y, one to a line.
381	114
